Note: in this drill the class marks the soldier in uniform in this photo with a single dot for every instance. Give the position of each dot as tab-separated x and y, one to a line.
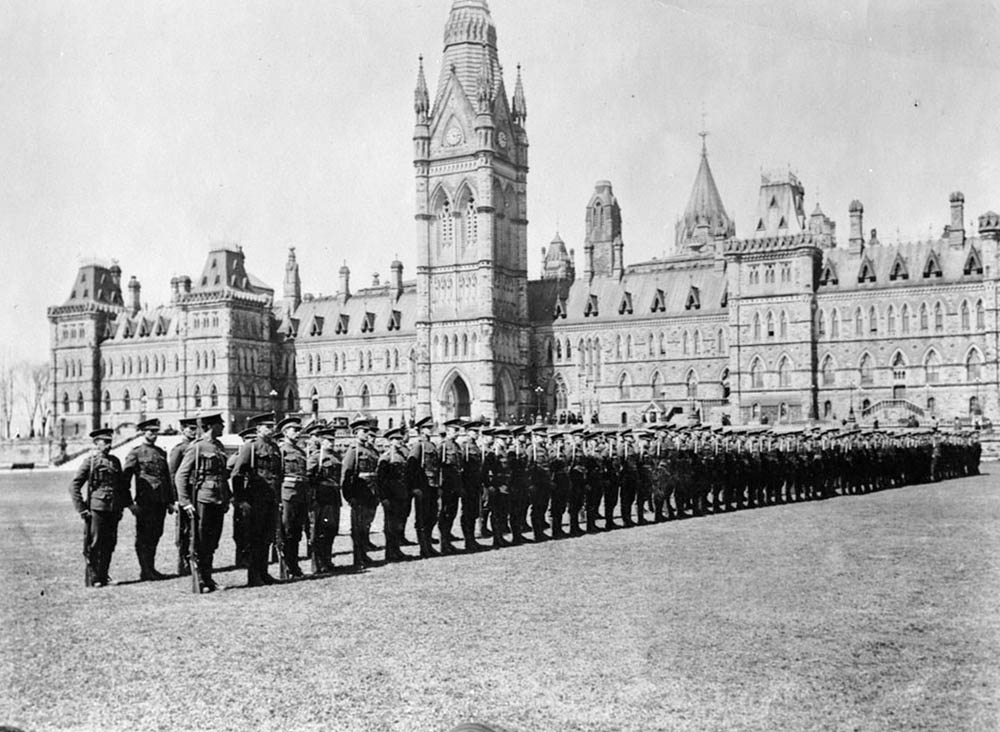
182	530
393	493
519	501
559	465
357	480
425	471
241	506
324	469
256	474
497	474
154	496
472	484
452	469
539	473
576	465
202	484
294	492
101	508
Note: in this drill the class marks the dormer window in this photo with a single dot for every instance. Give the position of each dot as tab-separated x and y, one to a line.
342	324
368	324
316	329
560	309
973	263
867	272
829	275
659	302
591	309
898	271
626	304
693	301
395	320
933	267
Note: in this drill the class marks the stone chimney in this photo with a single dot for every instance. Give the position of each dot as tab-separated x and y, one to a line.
396	277
956	231
857	240
375	279
588	261
175	289
185	284
134	289
345	282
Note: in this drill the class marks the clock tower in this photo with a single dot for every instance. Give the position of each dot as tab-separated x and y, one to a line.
471	161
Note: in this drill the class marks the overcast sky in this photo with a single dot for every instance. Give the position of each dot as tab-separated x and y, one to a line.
143	132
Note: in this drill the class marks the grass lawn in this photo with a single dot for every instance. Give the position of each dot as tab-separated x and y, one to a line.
878	612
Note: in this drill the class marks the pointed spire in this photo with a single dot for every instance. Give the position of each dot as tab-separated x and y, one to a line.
518	107
705	209
421	97
484	83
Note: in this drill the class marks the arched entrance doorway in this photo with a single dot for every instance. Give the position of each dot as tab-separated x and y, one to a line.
505	397
456	399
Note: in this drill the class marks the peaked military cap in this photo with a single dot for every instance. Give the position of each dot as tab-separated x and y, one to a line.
266	419
289	422
457	422
249	433
104	433
474	424
362	424
425	422
149	424
209	419
395	434
188	422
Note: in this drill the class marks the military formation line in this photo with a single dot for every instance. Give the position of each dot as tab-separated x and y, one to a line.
498	483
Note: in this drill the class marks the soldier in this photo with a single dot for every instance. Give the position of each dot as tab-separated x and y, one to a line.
452	469
202	484
294	492
154	496
497	474
576	464
257	476
519	501
539	473
357	480
182	527
241	506
425	472
393	493
101	508
613	470
595	480
324	469
559	465
627	459
472	484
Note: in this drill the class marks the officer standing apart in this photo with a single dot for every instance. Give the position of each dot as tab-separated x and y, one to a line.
357	480
154	496
258	468
182	532
294	492
202	484
101	507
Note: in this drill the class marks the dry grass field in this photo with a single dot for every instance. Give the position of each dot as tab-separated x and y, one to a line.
878	612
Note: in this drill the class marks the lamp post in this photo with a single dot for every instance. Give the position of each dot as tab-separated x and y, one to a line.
62	439
539	390
274	404
850	414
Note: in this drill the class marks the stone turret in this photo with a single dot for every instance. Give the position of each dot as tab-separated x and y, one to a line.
134	296
705	220
557	262
396	277
603	248
345	283
293	284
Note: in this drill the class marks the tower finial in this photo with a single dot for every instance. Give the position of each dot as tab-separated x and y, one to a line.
704	132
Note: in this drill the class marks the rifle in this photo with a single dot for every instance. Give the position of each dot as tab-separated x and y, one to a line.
193	554
88	575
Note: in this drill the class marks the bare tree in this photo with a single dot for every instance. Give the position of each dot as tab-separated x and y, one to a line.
33	388
7	378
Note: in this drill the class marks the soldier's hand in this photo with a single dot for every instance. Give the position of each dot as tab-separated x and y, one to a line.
189	509
85	515
171	508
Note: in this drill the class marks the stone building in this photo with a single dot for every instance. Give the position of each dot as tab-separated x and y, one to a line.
784	324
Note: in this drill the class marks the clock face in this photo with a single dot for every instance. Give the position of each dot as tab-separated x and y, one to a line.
502	139
453	136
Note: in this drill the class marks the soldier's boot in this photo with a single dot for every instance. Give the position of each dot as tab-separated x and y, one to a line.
142	555
557	527
446	546
152	564
538	529
641	519
497	532
291	549
657	511
591	523
515	534
484	529
426	550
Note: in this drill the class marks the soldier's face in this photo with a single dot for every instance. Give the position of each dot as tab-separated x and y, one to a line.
265	430
291	432
216	429
103	446
190	432
151	436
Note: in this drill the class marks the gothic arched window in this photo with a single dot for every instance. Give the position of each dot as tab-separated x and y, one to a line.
391	394
338	398
965	315
757	374
366	397
973	366
784	372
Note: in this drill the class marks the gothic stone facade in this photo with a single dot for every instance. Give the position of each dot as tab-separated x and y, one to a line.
786	324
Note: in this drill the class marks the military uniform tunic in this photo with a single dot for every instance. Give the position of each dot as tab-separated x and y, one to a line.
101	508
146	464
258	466
202	481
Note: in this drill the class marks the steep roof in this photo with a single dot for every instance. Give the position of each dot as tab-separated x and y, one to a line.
914	257
225	270
704	207
469	36
380	308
